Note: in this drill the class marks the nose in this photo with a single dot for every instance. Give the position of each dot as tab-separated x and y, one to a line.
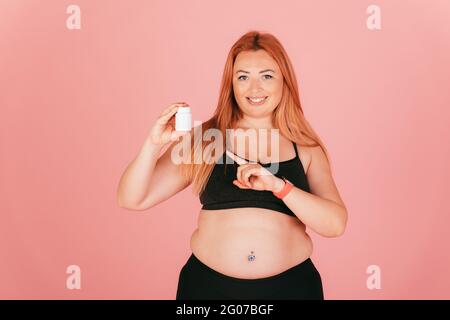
255	86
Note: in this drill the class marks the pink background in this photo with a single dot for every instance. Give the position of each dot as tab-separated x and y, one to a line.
76	106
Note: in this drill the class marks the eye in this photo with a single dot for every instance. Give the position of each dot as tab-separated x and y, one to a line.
239	78
268	75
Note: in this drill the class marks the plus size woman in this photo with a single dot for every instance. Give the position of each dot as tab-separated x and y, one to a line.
257	196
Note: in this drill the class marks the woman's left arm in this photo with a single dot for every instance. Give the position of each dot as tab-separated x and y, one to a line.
322	210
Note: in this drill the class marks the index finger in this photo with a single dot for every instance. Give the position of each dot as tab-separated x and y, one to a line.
236	158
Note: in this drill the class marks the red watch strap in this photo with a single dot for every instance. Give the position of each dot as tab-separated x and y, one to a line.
283	192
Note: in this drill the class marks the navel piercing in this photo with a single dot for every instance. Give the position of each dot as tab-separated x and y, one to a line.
251	257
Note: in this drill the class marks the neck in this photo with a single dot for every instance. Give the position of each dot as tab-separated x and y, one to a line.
255	123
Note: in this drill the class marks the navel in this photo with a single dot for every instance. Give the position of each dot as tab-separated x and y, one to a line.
251	257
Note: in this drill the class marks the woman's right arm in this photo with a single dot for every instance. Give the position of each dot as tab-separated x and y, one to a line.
149	180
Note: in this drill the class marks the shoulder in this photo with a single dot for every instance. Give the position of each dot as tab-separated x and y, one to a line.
306	153
316	153
319	175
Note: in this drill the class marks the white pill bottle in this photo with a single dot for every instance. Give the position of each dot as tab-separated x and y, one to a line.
183	119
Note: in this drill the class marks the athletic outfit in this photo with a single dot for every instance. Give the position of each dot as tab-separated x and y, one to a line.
199	281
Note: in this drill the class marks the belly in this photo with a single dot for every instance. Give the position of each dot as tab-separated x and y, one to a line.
226	238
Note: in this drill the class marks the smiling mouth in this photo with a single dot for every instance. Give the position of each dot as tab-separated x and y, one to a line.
257	101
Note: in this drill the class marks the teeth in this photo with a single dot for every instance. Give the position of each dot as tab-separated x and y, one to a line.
256	100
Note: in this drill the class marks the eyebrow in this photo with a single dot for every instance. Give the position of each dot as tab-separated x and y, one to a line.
266	70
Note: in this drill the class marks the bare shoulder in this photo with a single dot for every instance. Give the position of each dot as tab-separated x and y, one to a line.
319	175
305	154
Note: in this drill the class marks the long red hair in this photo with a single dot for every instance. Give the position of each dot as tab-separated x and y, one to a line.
287	116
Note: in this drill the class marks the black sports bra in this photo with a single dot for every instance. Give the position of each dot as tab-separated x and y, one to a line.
221	193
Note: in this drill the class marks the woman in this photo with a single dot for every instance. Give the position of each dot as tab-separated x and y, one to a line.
251	241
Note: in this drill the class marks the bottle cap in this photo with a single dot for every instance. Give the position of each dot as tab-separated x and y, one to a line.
184	109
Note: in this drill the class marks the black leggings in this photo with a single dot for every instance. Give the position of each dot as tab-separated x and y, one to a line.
198	281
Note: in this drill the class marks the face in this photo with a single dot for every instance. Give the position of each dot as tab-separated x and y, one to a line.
257	83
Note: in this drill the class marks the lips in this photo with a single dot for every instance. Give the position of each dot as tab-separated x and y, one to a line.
257	100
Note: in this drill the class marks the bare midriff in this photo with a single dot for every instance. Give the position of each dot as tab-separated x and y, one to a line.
226	238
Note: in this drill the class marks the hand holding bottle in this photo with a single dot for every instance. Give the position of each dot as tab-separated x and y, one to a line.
164	131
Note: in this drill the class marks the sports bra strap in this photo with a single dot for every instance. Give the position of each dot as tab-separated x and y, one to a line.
295	147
